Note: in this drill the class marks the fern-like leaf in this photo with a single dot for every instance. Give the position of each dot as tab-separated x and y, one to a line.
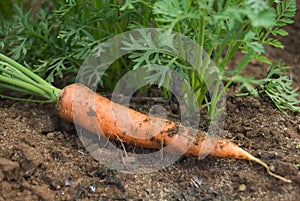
279	88
170	12
285	11
257	5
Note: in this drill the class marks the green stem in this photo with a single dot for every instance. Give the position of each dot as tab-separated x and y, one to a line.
239	68
212	111
24	85
16	89
21	68
13	72
201	41
239	32
15	77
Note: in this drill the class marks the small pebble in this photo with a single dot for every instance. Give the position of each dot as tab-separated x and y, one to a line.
51	135
92	188
67	181
242	187
272	168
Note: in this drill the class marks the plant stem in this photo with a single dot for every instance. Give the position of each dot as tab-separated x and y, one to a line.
201	41
14	76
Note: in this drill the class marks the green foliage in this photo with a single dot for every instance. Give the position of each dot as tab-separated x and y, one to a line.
169	13
276	86
279	88
223	28
285	11
5	9
147	52
33	40
54	42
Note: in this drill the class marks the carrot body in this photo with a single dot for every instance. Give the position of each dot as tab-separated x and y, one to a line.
97	114
80	105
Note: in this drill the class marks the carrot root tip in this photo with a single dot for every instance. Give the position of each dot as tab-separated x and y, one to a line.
269	171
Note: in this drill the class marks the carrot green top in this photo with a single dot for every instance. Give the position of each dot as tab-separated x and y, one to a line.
18	78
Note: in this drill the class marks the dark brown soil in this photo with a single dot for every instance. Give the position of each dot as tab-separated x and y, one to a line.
42	157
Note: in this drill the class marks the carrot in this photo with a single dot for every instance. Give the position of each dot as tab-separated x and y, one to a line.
101	116
80	105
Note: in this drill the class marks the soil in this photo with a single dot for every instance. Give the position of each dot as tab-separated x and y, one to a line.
42	157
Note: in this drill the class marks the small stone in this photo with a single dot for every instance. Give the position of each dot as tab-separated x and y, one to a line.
242	187
272	168
51	135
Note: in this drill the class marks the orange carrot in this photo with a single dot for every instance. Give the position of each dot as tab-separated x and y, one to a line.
82	106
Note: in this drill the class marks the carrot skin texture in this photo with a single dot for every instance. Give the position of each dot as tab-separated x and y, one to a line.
82	106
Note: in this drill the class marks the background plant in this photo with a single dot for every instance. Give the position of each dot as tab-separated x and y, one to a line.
54	41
